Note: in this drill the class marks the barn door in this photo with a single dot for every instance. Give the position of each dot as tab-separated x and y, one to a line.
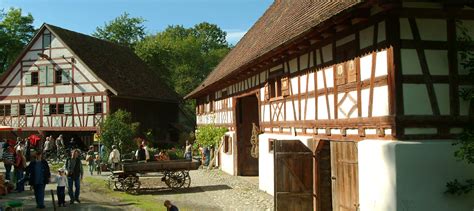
345	176
293	175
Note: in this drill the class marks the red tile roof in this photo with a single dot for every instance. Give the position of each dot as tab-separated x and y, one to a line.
281	23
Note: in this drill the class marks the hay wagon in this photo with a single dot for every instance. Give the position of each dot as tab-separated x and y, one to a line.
175	174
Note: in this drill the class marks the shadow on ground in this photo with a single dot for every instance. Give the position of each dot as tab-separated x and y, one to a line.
168	191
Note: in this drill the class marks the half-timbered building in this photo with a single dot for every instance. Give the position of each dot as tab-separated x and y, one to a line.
357	103
66	82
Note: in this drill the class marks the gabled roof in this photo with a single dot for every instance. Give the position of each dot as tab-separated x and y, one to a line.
283	21
117	67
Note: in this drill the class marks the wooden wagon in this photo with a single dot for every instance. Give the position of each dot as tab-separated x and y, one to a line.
175	174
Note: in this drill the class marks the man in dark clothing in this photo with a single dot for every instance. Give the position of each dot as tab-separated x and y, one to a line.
141	154
75	172
38	174
170	207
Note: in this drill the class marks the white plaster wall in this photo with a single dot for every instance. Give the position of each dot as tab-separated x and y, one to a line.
409	175
227	160
265	159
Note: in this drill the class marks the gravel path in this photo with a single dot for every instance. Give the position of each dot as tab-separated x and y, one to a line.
211	190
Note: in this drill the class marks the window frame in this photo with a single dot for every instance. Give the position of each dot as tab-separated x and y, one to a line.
58	74
34	78
22	109
98	108
44	40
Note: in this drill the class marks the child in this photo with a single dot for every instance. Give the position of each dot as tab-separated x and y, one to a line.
62	181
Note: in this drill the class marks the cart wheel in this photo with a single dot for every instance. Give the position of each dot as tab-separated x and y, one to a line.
187	180
119	184
175	179
131	184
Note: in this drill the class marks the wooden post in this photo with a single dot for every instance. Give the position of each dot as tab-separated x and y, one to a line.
54	203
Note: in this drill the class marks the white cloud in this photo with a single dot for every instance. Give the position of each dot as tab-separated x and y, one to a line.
233	36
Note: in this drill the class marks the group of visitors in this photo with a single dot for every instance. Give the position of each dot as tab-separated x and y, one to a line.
16	154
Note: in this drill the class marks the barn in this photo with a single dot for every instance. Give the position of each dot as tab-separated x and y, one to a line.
357	104
67	83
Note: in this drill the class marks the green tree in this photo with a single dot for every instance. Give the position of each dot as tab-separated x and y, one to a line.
119	129
123	30
16	30
183	57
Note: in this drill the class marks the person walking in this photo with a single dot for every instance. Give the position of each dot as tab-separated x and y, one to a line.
74	176
90	159
114	157
8	158
47	148
38	174
20	165
188	151
61	180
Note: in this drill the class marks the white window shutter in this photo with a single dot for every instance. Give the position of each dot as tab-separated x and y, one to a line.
29	109
90	108
67	108
27	78
14	110
42	76
66	76
49	76
46	108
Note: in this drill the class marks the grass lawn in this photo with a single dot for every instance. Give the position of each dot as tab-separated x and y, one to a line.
144	202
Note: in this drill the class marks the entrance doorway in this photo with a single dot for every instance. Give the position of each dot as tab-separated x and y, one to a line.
322	176
246	113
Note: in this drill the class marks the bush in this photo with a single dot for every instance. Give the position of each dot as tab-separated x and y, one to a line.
209	135
119	129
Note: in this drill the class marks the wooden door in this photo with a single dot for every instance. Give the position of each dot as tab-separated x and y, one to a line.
247	114
345	176
293	175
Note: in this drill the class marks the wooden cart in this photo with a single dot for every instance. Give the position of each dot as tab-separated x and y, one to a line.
175	174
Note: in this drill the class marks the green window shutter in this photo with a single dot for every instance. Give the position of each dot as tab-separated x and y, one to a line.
90	108
42	75
66	76
46	109
29	109
27	78
49	76
14	110
67	108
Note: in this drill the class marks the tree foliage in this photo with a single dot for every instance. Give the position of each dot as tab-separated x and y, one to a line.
119	129
123	30
183	57
16	30
209	135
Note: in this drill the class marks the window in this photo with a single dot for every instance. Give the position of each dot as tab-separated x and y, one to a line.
275	87
5	110
34	78
271	145
98	108
60	108
58	77
46	40
53	109
22	109
228	144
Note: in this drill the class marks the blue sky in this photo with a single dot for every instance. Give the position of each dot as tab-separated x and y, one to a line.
233	16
